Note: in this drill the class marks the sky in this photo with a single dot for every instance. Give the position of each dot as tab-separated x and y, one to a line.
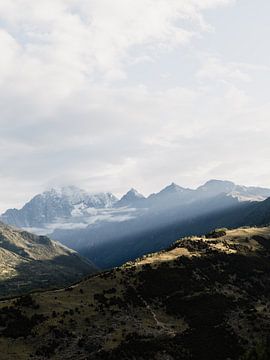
109	95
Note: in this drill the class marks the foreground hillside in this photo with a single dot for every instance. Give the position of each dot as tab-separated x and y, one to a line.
30	262
204	298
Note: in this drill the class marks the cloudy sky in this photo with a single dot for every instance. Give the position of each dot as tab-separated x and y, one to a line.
109	95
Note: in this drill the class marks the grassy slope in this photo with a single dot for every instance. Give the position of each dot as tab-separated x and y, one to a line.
201	299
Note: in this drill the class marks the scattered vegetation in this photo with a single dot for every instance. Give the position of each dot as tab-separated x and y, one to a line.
208	302
216	233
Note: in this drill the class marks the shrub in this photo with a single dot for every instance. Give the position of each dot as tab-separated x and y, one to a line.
216	234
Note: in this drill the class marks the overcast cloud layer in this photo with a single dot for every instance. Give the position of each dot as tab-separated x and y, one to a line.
112	94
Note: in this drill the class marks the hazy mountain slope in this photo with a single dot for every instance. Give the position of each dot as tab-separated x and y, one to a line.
203	299
171	196
113	244
258	214
175	195
156	238
30	262
148	220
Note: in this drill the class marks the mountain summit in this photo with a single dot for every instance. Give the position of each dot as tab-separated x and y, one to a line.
131	198
173	187
171	196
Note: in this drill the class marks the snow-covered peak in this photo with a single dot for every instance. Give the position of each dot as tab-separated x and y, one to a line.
74	196
71	194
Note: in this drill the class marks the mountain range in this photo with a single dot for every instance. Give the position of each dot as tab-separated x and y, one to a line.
71	205
110	231
29	262
204	298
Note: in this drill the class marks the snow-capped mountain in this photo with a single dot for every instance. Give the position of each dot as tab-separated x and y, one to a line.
76	196
71	208
57	204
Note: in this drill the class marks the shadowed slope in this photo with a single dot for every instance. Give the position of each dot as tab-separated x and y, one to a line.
30	262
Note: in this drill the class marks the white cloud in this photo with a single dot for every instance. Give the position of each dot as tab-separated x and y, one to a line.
72	110
214	69
74	38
